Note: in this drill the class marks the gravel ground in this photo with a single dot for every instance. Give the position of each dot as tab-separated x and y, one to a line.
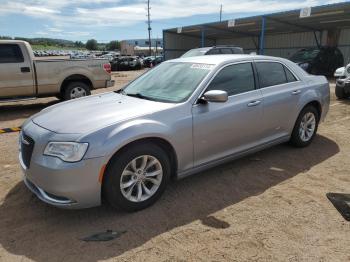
270	206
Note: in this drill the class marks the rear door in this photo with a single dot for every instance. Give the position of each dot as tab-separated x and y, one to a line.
281	90
223	129
16	76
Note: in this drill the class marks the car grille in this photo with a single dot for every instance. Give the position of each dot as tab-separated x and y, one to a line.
27	146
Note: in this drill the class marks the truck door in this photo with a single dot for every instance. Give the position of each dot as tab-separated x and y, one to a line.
16	76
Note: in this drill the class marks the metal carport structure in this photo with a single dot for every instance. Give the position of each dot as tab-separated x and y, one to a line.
278	34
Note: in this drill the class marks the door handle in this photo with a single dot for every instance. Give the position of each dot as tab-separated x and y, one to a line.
25	69
254	103
296	92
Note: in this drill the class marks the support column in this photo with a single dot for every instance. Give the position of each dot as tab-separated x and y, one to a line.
262	36
202	37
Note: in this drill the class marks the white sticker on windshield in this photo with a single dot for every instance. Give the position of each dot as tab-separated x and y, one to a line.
202	66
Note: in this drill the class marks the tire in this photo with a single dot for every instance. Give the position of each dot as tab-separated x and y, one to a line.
339	92
297	138
121	164
76	90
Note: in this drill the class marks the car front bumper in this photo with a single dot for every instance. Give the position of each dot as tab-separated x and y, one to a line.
59	183
345	84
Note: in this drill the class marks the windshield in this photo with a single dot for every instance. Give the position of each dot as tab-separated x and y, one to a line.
305	55
194	52
168	82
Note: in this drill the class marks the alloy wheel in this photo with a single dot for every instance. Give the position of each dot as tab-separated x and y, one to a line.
141	178
307	127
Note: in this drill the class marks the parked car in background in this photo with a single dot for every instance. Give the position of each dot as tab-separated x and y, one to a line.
23	77
342	76
182	117
214	50
150	61
319	61
342	72
126	63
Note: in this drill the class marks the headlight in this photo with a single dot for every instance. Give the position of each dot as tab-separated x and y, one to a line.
67	151
304	66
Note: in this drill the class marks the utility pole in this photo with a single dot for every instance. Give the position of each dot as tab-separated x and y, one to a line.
149	27
220	12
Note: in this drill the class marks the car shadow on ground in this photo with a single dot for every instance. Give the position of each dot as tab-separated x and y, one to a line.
42	233
18	110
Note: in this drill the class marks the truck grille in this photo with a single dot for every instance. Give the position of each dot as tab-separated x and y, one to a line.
27	146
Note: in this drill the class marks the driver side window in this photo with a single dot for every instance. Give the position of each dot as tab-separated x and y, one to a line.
234	79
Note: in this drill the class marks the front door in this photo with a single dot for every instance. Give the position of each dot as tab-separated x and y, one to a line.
16	76
223	129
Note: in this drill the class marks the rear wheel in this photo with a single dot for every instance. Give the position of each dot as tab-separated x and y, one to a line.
305	127
136	177
76	90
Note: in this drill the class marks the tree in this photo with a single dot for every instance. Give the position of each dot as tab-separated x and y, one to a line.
91	44
113	45
79	44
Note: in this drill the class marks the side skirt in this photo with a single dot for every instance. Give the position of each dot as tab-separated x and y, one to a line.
230	158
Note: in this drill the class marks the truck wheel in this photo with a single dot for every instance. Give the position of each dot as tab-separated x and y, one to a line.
76	90
136	177
339	92
305	127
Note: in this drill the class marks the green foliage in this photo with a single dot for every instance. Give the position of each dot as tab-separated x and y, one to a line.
91	44
5	37
60	44
113	45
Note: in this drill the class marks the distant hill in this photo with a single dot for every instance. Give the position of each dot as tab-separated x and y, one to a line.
47	41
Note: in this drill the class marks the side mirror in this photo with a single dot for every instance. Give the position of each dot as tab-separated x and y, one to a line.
216	96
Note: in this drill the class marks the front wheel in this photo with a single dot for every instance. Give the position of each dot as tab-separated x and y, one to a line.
305	127
136	177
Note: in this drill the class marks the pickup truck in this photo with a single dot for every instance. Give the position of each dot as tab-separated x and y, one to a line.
24	77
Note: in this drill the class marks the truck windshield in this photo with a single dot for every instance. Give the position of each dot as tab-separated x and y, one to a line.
194	52
168	82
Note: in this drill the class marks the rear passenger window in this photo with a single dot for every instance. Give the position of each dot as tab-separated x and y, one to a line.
290	76
10	53
214	52
226	51
234	79
271	74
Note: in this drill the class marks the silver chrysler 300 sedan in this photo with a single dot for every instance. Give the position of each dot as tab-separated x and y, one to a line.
179	118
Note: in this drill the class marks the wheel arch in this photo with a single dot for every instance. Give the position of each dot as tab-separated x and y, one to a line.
163	143
315	104
75	78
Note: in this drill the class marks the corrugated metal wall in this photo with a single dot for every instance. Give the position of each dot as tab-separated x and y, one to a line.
281	45
177	44
344	44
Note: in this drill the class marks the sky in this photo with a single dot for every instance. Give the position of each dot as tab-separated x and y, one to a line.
106	20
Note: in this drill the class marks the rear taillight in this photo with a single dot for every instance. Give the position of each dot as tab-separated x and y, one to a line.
107	68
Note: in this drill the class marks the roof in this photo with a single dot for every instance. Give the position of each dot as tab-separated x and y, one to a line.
321	18
219	59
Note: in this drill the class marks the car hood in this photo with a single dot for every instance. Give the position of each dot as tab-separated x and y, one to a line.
90	113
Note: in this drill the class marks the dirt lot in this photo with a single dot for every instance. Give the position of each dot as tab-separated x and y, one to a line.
270	206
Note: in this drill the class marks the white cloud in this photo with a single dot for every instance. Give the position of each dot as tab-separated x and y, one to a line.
122	14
